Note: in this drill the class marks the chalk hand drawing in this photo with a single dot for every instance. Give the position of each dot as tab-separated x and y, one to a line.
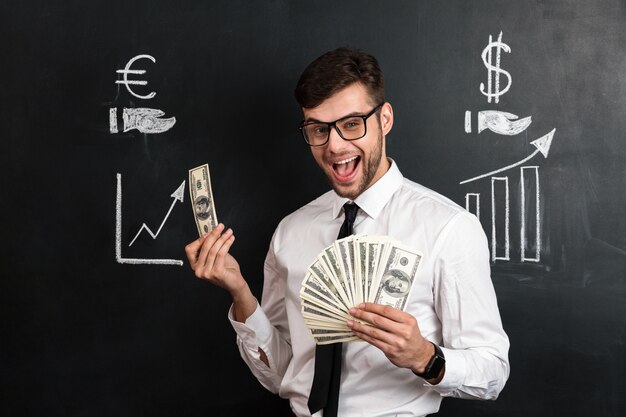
502	123
146	120
128	82
493	88
178	197
542	144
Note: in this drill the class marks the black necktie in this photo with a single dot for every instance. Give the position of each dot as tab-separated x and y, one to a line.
327	378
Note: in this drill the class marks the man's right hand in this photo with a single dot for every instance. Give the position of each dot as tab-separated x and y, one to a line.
210	260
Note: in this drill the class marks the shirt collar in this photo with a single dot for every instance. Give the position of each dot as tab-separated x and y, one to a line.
372	200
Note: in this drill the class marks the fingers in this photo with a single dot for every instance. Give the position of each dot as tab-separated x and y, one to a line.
381	316
387	323
205	251
193	248
213	242
391	313
221	253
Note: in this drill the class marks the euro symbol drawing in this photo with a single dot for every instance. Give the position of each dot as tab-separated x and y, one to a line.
487	57
127	71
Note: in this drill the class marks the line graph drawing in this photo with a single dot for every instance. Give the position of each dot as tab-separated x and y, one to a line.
118	230
542	144
178	196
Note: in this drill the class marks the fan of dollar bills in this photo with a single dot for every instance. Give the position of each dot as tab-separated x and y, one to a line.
353	270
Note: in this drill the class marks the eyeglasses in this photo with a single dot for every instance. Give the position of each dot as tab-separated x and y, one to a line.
348	128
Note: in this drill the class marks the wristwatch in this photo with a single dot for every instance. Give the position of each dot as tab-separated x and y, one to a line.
435	365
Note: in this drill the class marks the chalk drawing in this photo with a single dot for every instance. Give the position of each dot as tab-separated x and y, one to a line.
501	122
468	121
178	197
146	120
118	230
113	119
476	206
487	57
128	82
542	144
494	255
523	231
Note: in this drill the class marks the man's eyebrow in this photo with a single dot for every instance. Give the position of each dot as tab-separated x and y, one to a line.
314	120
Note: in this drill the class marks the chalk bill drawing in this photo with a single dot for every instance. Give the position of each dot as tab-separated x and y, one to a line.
146	120
537	214
543	146
493	88
501	122
505	212
128	82
177	195
143	119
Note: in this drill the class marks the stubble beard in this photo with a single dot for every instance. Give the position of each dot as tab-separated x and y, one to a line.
371	167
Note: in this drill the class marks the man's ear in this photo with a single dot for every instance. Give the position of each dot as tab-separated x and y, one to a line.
386	118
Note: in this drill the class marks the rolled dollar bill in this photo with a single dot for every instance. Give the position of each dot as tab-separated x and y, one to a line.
202	199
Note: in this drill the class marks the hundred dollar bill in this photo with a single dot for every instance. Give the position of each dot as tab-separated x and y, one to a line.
396	276
202	199
328	339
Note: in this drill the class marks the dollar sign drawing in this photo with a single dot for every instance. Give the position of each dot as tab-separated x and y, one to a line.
487	57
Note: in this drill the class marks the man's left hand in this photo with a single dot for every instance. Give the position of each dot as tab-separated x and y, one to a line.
394	332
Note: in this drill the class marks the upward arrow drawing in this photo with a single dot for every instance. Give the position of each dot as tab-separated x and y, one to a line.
542	144
178	195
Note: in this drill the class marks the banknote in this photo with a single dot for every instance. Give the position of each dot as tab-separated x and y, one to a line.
202	199
395	276
353	270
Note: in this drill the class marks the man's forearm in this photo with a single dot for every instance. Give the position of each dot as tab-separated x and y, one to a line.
244	303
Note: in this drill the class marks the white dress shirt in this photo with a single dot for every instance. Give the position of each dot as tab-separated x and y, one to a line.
453	301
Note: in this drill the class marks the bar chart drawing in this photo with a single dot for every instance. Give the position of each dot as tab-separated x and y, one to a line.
537	214
503	212
472	203
529	206
530	215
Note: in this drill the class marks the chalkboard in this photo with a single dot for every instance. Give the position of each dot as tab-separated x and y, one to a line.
514	109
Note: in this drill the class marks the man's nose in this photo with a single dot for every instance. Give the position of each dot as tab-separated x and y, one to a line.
335	142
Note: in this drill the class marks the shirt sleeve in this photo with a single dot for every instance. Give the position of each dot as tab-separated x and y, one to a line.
266	329
474	343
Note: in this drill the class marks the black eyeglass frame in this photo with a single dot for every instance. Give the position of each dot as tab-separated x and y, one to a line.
334	124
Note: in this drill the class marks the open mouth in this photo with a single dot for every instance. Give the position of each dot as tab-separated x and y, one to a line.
346	169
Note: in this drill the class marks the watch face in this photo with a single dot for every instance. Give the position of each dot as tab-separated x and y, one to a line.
436	367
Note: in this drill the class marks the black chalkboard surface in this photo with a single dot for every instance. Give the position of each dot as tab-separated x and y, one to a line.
83	333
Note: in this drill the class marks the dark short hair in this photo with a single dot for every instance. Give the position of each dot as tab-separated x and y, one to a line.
336	70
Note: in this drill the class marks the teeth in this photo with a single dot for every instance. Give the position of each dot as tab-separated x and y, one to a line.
345	161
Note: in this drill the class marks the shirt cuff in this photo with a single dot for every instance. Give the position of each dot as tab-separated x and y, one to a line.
256	331
454	377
